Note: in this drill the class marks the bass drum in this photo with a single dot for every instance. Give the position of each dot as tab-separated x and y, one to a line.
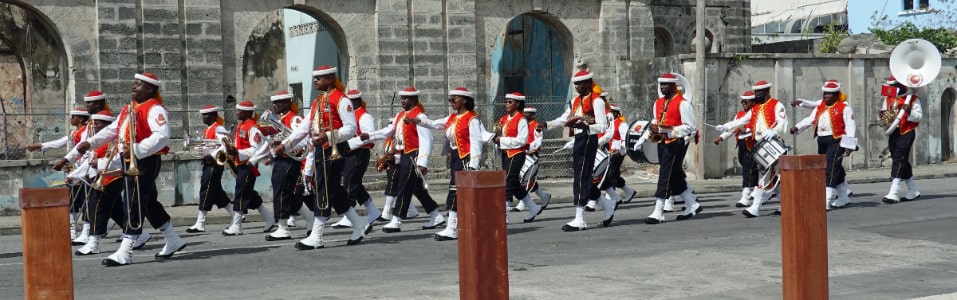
649	151
602	160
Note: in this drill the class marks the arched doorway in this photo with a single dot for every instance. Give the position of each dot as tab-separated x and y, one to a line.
33	71
533	56
664	43
283	50
948	124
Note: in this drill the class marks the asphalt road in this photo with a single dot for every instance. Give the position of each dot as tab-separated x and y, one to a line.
876	251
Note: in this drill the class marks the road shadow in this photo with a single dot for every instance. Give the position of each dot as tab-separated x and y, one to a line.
11	255
205	254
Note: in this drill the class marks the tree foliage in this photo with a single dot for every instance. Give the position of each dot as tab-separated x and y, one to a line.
942	38
834	34
935	24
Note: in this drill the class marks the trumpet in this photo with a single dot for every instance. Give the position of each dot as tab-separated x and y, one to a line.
657	138
222	157
324	104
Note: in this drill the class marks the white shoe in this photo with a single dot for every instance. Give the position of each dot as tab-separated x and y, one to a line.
745	198
546	198
123	256
590	206
200	225
84	236
912	192
343	223
830	194
669	204
628	194
533	209
387	209
450	232
141	240
892	195
609	206
842	199
282	233
358	232
435	220
519	207
692	207
657	215
291	222
314	240
372	212
268	217
578	223
173	243
413	212
91	247
755	209
236	227
395	225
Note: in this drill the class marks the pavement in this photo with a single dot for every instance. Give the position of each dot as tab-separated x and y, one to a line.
561	190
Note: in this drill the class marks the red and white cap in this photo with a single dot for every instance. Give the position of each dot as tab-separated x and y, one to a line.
615	108
747	95
462	91
763	84
280	95
149	78
668	78
94	96
515	96
210	108
891	80
246	105
409	91
324	70
581	76
79	111
353	94
831	86
103	115
529	109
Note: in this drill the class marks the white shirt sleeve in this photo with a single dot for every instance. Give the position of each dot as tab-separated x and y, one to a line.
56	144
850	126
737	123
246	154
158	120
810	103
781	119
475	143
623	133
366	124
561	120
307	170
607	136
687	127
806	122
519	140
536	141
433	124
601	122
221	132
916	113
300	132
383	133
348	119
425	145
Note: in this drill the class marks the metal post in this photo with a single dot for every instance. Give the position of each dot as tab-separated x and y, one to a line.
803	227
699	93
47	254
483	245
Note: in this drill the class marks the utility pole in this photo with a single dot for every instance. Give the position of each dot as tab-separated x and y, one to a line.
699	92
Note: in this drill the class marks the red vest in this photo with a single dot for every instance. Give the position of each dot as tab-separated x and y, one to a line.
510	129
767	109
905	126
77	134
587	108
749	141
241	137
461	134
360	111
210	132
328	109
531	132
143	129
671	117
410	137
616	136
836	115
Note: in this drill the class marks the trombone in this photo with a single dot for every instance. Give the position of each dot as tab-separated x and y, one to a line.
132	169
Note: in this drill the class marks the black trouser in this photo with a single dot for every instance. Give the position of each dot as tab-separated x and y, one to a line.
749	175
246	197
409	184
671	176
900	146
299	194
613	176
285	172
392	180
78	197
329	193
211	187
142	197
583	163
105	205
513	167
357	162
455	164
831	147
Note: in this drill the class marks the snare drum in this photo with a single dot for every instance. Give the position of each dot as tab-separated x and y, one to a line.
769	151
529	169
649	150
602	159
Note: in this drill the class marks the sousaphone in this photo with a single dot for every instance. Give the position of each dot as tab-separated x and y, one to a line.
914	63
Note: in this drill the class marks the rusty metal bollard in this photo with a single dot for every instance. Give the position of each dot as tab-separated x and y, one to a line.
47	254
803	227
483	242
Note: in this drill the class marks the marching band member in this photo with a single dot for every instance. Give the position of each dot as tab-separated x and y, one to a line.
674	120
246	144
330	124
614	140
745	145
390	160
103	205
415	144
78	119
586	117
835	130
535	137
814	104
512	141
766	119
901	141
286	170
151	131
464	130
357	162
211	182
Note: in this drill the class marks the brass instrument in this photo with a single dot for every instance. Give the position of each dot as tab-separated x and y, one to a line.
915	63
111	154
887	117
131	140
388	157
657	137
222	157
332	141
269	119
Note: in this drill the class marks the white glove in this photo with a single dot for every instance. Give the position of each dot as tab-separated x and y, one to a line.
770	134
722	128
